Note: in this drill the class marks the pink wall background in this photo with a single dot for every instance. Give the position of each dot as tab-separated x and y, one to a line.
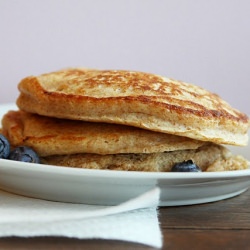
199	41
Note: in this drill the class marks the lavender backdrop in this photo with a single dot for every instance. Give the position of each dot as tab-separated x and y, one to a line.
199	41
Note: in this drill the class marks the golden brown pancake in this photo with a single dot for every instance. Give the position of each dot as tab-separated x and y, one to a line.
137	99
82	144
52	136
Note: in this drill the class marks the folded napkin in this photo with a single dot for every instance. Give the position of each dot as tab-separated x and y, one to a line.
135	220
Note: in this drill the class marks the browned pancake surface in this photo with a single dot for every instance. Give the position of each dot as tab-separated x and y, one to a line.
134	98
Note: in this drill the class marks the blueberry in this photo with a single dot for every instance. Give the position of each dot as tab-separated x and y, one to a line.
4	147
24	154
185	166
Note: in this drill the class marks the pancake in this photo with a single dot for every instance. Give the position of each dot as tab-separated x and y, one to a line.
209	157
136	99
80	144
52	136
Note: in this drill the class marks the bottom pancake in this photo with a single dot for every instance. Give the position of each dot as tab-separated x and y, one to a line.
210	157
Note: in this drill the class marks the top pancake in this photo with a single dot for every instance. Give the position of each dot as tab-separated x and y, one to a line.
134	98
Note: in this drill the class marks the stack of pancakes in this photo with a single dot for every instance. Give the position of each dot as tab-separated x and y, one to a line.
124	120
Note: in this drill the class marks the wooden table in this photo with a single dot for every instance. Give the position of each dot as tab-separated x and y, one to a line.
219	225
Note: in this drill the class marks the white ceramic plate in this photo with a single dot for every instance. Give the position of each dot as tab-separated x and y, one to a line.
108	187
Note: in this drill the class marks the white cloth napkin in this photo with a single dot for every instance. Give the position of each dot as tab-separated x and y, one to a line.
135	220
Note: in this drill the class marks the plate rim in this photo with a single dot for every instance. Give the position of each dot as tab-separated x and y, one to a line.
61	170
12	170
